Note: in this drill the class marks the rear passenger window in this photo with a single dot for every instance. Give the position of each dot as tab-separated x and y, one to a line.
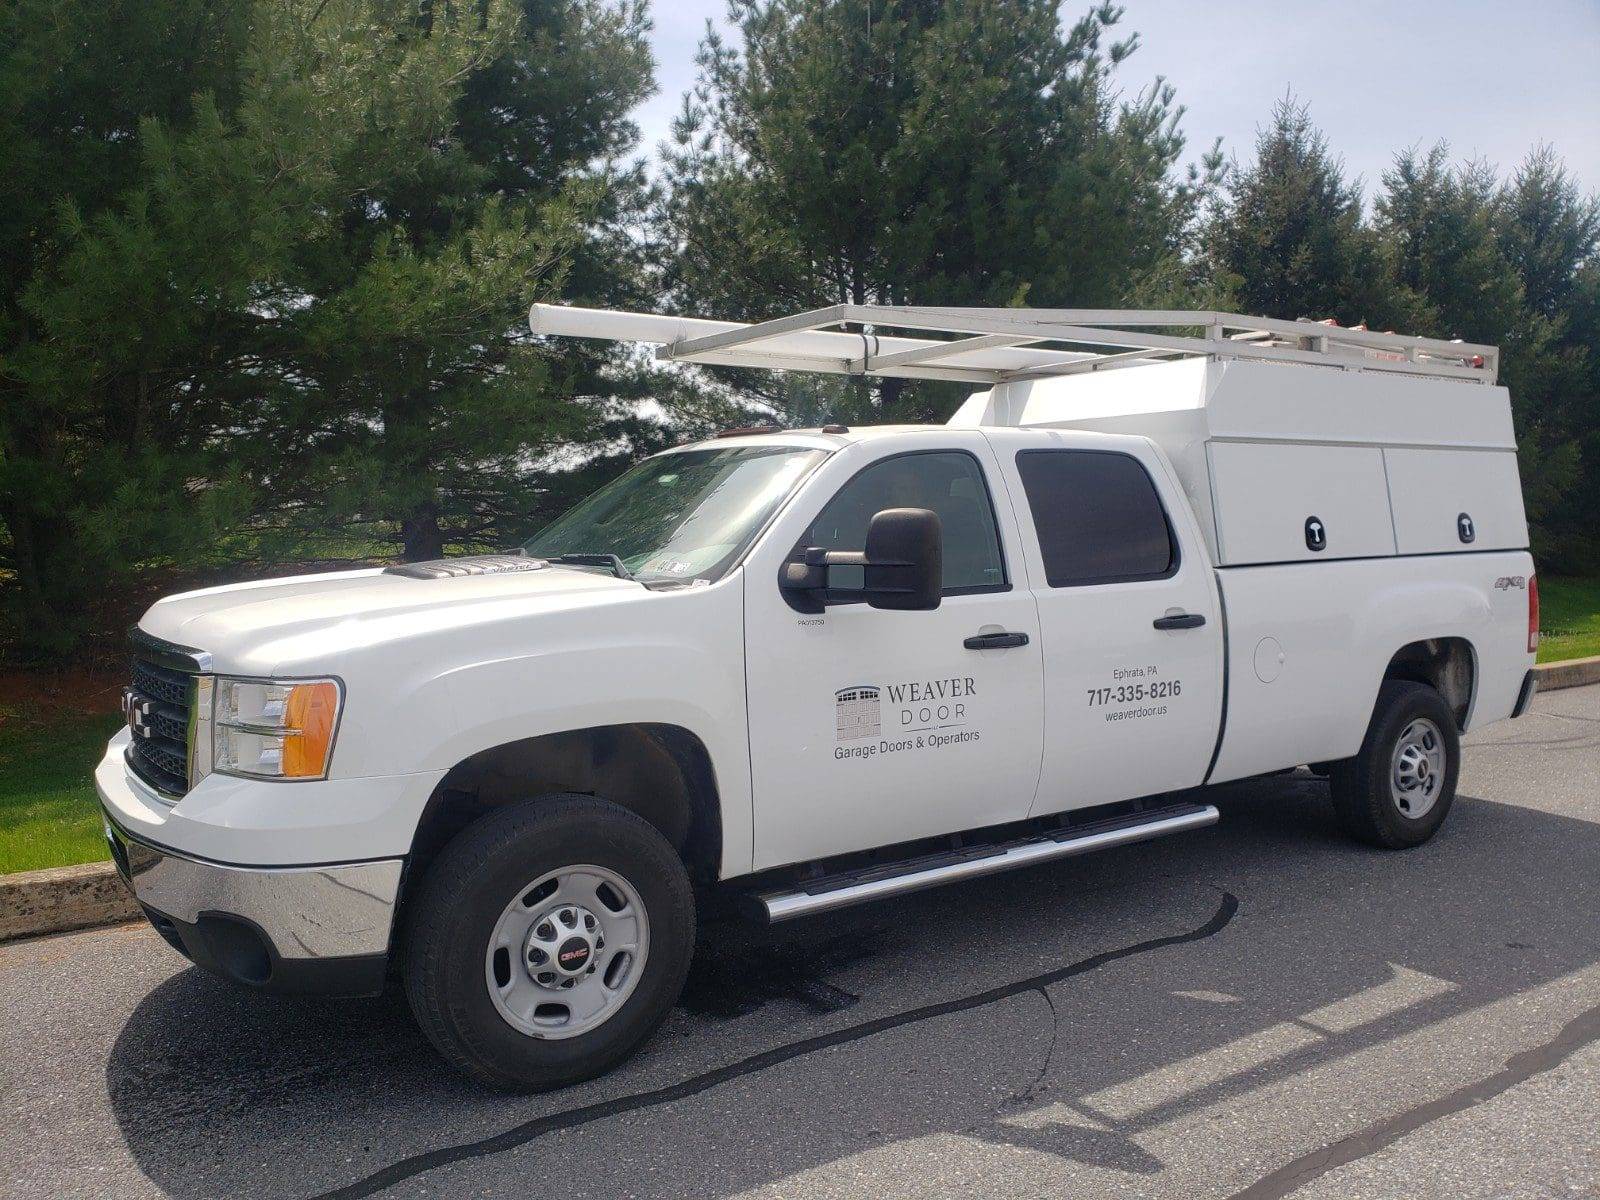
1098	517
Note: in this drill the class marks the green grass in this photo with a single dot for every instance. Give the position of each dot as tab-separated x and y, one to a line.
1569	617
48	813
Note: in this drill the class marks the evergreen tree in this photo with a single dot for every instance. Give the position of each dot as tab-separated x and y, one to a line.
421	412
1549	232
106	331
1439	222
961	152
294	299
1287	239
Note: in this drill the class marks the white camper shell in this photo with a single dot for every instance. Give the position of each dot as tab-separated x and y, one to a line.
1389	464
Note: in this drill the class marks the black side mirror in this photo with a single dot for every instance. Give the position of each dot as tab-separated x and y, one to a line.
903	565
905	559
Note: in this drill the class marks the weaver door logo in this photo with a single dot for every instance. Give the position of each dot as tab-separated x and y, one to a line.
924	714
857	713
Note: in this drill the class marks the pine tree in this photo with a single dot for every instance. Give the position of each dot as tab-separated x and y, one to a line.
421	414
1549	233
1287	239
1439	222
289	298
910	151
106	329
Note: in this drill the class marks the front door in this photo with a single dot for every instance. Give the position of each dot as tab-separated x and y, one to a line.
870	727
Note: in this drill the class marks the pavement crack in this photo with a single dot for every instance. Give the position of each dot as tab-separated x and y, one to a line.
1577	1033
1018	1099
1581	739
519	1135
1550	712
1050	1052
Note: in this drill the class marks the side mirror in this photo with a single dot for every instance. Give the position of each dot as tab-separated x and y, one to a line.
905	559
903	565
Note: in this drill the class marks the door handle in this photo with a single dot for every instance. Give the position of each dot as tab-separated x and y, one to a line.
1180	621
995	641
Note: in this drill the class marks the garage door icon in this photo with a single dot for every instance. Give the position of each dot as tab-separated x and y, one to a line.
857	713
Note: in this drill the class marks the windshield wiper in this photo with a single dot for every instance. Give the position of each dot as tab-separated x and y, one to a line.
609	561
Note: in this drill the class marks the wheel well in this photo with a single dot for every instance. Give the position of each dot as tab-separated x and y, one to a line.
1448	665
660	772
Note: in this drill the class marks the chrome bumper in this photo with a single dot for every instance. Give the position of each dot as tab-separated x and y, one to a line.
320	929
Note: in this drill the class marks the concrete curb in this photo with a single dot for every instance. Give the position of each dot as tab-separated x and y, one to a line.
1574	672
61	898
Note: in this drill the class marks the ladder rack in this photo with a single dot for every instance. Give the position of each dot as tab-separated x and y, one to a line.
1002	345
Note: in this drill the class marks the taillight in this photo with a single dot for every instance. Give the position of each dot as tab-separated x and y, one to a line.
1533	614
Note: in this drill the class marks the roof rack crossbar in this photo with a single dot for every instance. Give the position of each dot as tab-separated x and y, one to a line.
1090	363
816	318
871	363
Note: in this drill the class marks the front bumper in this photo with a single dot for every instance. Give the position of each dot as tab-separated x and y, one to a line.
318	929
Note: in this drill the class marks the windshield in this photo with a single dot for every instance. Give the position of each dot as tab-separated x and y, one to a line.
680	517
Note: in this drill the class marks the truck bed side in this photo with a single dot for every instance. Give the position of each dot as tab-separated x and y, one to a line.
1308	645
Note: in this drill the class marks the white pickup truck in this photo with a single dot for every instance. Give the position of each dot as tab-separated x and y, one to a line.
817	667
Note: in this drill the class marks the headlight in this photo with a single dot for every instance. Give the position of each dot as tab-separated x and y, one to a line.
274	729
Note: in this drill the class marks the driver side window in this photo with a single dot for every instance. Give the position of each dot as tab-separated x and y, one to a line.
951	483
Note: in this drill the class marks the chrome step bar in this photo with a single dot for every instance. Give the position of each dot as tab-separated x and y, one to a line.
786	904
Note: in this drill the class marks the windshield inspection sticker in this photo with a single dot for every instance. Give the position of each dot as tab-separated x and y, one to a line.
1132	687
924	714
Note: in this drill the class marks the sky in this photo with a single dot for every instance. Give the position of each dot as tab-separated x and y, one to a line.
1492	79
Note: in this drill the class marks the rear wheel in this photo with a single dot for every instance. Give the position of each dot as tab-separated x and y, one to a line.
548	941
1397	790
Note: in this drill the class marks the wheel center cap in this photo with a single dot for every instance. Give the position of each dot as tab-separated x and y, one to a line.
573	955
563	945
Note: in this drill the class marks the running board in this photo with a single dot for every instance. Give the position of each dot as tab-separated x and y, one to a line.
881	881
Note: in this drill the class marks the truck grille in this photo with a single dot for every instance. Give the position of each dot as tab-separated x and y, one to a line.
156	706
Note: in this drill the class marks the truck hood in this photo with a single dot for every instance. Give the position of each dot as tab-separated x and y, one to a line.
313	622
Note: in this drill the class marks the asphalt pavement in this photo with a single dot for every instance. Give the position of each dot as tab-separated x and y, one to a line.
1260	1009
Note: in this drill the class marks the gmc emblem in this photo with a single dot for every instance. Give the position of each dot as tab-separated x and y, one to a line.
137	713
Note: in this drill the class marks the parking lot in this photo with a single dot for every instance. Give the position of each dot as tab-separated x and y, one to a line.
1260	1009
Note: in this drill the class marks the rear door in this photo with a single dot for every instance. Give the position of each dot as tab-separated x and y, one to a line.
1131	635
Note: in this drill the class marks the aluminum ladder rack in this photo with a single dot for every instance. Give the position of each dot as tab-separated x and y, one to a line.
989	346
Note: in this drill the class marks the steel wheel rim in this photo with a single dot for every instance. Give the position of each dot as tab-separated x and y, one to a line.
550	919
1416	772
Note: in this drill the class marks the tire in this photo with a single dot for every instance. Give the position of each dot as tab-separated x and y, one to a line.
1397	790
468	994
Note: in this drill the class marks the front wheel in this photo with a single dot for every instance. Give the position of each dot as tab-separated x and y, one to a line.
1397	790
548	941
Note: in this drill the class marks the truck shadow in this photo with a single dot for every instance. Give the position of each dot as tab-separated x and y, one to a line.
1181	1002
